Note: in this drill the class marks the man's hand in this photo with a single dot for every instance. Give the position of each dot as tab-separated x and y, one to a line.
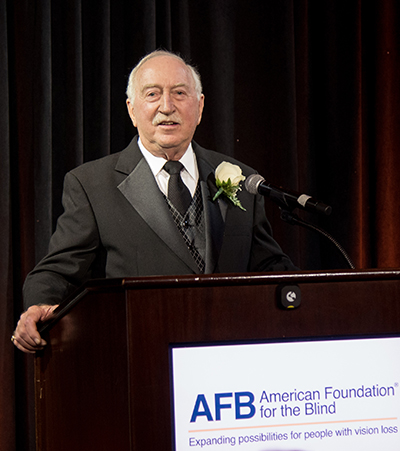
26	336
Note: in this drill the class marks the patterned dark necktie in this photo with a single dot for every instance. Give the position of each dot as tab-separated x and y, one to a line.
178	192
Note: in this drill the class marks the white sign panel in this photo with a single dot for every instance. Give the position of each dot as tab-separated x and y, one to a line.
311	396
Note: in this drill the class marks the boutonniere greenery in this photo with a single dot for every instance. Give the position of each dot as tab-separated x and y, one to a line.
227	178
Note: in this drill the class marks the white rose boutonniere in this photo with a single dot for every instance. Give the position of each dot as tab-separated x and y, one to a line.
227	178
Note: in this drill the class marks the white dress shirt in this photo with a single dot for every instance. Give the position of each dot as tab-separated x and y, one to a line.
189	175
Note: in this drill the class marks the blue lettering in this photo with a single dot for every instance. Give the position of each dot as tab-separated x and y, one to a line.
219	406
248	404
201	401
244	406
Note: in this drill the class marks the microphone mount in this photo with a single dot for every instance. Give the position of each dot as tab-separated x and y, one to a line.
293	219
287	201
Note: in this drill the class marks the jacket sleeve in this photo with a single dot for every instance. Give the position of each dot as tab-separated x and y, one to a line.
266	254
73	248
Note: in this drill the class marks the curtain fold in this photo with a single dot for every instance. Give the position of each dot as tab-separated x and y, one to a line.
387	157
304	91
7	309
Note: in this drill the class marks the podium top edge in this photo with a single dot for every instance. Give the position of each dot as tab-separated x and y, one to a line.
244	279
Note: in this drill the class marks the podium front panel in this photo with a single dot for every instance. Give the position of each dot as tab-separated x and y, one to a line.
104	381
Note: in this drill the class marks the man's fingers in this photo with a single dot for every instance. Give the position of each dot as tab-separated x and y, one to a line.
26	336
30	328
25	347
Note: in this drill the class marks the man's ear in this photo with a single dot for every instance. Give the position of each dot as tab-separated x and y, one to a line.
201	107
131	111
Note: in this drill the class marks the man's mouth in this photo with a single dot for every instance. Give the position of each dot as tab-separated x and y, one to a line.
166	122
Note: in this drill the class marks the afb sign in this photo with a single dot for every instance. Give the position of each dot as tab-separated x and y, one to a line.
314	395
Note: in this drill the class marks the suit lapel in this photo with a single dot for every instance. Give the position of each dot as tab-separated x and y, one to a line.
214	214
142	192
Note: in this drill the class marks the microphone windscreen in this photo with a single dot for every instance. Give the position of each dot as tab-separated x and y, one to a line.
252	182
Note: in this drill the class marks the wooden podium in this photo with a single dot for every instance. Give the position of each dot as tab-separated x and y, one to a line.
103	381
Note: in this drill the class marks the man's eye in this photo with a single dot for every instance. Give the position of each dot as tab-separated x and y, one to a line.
152	95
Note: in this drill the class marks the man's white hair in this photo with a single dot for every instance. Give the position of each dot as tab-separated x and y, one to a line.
130	90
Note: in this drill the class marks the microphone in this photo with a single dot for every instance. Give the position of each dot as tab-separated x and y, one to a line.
255	183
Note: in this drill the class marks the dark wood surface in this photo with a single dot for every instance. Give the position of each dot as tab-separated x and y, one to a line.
103	382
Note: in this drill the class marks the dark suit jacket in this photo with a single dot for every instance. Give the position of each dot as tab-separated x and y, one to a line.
116	223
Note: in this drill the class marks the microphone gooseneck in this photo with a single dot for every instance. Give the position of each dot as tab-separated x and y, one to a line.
289	200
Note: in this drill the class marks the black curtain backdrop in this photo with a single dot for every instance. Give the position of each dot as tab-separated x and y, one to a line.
307	92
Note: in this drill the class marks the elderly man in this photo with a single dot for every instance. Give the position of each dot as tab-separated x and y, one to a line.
151	209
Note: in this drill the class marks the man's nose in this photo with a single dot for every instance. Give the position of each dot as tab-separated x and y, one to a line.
166	105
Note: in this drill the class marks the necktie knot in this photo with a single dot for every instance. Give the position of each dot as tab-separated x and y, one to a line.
173	167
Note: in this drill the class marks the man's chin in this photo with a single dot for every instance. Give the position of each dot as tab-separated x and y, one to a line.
168	148
169	141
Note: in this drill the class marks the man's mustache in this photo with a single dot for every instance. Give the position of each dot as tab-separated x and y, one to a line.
160	118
